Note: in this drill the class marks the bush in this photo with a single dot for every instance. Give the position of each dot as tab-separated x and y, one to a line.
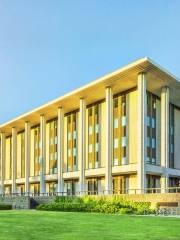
99	204
5	207
126	210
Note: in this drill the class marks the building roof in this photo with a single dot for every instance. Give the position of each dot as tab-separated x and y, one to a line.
120	80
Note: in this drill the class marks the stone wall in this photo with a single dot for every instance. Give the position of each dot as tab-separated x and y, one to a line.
44	199
17	202
24	202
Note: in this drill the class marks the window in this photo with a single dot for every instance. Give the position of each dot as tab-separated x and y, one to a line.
116	162
116	142
120	130
148	121
153	160
74	135
148	141
51	141
172	130
115	102
69	152
171	135
151	128
123	141
97	147
153	123
116	123
153	143
94	136
90	148
72	141
37	146
90	130
90	112
74	151
123	121
69	136
172	148
124	161
97	128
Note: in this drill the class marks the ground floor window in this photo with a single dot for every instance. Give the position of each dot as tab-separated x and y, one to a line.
174	184
35	188
70	187
8	189
153	183
20	189
51	187
120	184
92	186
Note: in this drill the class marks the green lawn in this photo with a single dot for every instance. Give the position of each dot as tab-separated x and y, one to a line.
29	225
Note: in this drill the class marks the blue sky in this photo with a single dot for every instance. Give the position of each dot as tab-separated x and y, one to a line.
48	48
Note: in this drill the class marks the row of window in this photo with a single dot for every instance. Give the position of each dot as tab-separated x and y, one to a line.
120	140
120	185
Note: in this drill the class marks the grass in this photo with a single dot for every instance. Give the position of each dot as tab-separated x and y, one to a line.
30	225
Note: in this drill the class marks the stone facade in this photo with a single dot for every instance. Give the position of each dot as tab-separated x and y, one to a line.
16	202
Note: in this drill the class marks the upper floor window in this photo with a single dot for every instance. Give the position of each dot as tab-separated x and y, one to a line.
52	134
120	130
94	136
151	128
72	141
171	135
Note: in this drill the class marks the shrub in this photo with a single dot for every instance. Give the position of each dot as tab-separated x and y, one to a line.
125	210
99	204
5	207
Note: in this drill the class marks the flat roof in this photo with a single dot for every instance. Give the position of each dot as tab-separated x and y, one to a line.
120	80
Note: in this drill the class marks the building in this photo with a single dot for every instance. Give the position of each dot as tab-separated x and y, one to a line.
118	134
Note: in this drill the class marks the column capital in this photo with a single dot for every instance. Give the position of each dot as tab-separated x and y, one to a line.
82	100
13	128
165	88
60	108
108	87
142	73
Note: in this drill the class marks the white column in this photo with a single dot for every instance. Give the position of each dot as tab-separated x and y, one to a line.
82	145
142	132
109	143
2	162
42	153
164	136
14	158
60	136
27	156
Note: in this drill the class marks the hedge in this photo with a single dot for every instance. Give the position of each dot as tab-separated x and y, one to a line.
97	204
5	207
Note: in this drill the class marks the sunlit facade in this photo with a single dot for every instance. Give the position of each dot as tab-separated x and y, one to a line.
119	134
